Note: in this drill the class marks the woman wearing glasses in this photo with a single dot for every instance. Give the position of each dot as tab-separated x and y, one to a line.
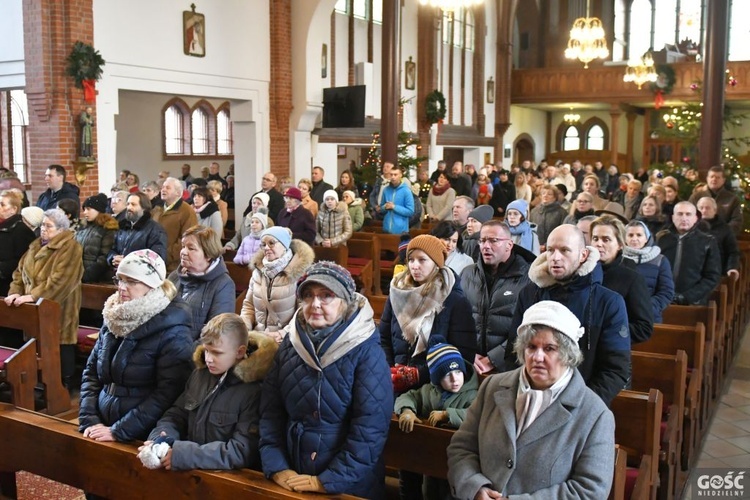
142	358
271	298
52	268
424	300
324	411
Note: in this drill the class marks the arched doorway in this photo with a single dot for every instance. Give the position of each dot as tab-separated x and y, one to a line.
523	149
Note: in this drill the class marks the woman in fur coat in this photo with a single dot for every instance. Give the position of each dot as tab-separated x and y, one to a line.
271	298
96	239
142	358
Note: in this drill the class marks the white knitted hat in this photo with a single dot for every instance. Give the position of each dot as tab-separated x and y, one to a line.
554	315
331	194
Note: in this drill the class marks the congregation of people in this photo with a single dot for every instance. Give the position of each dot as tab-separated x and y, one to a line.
509	319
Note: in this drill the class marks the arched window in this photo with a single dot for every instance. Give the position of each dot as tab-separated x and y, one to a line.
595	138
468	29
571	139
639	38
19	133
175	136
223	132
199	130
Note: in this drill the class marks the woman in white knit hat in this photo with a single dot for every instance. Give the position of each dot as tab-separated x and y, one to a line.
333	224
143	355
543	433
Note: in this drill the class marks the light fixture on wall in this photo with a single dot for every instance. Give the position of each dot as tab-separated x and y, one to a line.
571	118
641	70
451	5
587	41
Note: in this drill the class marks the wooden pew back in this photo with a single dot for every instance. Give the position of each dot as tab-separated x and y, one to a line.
338	254
44	445
240	276
424	450
41	321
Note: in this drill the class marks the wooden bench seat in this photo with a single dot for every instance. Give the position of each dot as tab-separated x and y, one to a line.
18	370
93	297
338	254
240	276
54	448
41	321
637	417
361	263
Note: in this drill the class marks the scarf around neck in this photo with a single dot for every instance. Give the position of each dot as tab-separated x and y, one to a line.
530	403
437	190
524	230
123	317
415	308
271	269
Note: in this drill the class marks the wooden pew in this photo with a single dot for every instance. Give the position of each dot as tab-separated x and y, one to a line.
93	297
668	374
374	254
637	417
720	295
423	450
54	448
668	339
240	275
713	352
41	321
18	370
620	475
338	254
361	263
378	304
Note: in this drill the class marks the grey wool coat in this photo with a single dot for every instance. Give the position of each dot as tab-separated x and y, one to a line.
567	453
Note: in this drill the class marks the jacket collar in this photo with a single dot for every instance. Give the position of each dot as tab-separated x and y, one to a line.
139	224
262	350
539	272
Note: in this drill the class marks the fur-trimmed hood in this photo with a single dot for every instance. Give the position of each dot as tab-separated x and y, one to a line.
262	350
304	256
107	222
539	272
357	202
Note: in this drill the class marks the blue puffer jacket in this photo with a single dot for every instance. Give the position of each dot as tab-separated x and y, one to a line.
208	295
454	322
129	382
657	273
328	414
396	220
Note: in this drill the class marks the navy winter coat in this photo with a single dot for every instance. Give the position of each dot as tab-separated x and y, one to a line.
696	265
657	273
208	295
328	413
129	382
145	233
621	276
454	323
48	199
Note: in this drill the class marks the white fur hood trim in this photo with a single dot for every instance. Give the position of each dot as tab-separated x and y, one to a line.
539	272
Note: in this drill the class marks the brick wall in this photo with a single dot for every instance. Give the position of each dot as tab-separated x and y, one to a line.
280	91
51	27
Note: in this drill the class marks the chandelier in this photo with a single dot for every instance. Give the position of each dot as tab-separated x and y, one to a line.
451	5
587	41
641	70
571	118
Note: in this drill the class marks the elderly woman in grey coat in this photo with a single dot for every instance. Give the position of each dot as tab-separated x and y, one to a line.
537	431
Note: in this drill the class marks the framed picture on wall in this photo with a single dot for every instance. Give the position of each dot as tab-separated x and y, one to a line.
410	75
193	33
342	152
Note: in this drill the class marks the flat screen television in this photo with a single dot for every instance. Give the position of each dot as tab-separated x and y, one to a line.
344	107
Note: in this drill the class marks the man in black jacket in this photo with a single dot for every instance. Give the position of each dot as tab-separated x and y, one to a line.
694	256
729	206
138	231
275	199
725	238
320	186
460	182
57	189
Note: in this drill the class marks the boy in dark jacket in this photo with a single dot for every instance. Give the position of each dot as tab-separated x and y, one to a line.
214	423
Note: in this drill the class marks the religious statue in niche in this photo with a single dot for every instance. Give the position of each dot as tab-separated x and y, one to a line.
193	33
86	121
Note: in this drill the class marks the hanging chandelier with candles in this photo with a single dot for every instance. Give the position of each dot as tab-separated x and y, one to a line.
451	5
571	118
641	70
587	41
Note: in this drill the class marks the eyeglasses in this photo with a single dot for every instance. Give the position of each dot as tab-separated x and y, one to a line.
583	201
267	244
268	179
492	241
324	298
124	282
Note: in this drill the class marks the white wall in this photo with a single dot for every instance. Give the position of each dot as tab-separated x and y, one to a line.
11	49
142	42
528	121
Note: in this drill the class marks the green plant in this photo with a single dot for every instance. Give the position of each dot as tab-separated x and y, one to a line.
84	63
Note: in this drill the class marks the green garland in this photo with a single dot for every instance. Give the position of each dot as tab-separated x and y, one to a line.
84	63
435	106
665	79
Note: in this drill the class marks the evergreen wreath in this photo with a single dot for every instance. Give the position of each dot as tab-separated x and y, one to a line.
435	106
665	79
84	63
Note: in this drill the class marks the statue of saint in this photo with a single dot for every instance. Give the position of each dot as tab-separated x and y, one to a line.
86	121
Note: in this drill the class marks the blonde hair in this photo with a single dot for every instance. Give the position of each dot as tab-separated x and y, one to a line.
215	186
227	325
207	239
169	289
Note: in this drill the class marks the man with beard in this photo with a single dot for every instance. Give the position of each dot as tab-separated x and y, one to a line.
137	231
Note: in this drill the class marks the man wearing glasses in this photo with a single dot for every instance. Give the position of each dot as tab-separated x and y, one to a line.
569	272
492	286
275	199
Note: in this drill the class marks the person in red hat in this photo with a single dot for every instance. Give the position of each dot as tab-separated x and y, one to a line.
297	218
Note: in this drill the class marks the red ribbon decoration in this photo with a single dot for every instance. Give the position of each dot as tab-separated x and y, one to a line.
89	90
659	99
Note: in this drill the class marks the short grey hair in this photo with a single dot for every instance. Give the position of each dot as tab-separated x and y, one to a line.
122	195
467	200
569	352
150	184
176	183
58	218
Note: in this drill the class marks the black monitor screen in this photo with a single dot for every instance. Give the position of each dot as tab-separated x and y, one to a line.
344	107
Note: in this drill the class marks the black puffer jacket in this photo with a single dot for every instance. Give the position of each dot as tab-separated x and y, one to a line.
493	308
621	276
96	239
15	238
727	241
129	382
696	265
145	233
